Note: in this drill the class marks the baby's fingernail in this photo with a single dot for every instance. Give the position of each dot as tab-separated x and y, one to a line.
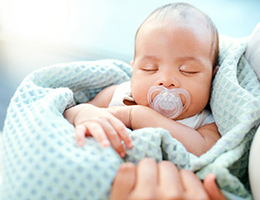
122	154
105	143
130	144
80	143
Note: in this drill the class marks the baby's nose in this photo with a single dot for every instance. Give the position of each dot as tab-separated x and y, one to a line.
169	81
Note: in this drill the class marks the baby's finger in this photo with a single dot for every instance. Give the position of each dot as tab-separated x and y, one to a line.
121	130
96	130
80	131
113	138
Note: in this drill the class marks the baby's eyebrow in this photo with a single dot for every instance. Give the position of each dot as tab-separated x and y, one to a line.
192	59
150	57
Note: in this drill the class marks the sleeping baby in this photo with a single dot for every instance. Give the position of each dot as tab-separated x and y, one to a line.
176	56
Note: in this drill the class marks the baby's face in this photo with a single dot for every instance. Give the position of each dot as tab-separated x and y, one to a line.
175	57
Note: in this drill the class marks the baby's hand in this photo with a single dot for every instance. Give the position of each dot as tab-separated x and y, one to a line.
93	121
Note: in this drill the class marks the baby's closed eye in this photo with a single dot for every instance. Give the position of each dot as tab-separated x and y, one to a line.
186	69
149	68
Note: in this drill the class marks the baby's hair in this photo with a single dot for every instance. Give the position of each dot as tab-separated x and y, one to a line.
186	13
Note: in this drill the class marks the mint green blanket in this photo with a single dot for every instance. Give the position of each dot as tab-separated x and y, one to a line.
42	161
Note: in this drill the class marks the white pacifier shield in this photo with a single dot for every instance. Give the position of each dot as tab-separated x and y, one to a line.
168	101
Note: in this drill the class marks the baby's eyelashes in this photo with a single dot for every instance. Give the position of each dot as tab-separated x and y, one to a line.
188	69
149	68
188	72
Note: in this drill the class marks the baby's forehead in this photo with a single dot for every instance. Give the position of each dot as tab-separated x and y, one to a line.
188	19
169	24
182	16
184	13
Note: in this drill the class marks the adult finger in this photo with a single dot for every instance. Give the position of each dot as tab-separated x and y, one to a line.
124	182
170	184
146	180
121	130
193	186
212	189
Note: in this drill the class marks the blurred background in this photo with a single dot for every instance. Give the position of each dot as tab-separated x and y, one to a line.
39	33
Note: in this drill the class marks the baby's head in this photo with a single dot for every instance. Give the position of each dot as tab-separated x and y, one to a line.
176	47
185	15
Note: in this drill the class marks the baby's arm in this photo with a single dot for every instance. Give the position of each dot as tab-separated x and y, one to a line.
91	119
195	141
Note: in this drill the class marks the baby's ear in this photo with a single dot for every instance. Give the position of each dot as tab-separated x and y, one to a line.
132	63
215	70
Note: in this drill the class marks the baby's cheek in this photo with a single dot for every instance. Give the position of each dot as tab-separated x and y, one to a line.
140	98
199	102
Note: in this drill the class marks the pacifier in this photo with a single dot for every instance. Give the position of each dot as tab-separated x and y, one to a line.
168	102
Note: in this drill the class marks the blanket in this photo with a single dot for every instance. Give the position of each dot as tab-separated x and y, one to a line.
41	159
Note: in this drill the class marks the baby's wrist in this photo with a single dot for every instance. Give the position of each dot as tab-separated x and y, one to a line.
122	113
74	113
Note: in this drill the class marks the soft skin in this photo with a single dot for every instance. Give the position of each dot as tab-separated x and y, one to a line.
176	47
149	180
173	56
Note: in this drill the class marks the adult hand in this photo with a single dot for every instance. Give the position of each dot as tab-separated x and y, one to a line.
212	189
150	180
